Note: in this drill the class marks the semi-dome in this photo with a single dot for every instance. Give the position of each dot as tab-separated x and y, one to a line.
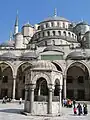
76	55
44	65
29	55
53	48
8	55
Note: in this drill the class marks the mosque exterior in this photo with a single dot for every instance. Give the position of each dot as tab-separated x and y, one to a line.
46	62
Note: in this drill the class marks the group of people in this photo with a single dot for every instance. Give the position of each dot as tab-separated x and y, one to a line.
77	109
6	99
67	103
80	110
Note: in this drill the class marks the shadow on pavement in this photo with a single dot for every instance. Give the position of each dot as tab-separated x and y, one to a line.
16	111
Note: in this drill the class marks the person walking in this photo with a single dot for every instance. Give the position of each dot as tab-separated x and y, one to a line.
79	107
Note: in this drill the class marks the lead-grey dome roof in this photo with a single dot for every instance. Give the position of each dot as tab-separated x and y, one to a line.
76	55
8	43
82	23
29	55
27	25
44	65
8	55
56	18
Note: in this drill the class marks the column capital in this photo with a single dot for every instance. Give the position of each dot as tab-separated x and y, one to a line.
51	87
14	76
64	76
32	86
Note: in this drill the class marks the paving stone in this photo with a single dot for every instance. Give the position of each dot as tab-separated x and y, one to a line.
11	111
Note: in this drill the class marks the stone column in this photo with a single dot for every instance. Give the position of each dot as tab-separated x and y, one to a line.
64	89
31	99
14	87
60	99
50	101
26	97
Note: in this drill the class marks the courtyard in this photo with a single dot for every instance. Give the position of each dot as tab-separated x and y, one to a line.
12	111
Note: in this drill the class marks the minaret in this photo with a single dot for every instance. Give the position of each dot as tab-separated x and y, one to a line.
16	24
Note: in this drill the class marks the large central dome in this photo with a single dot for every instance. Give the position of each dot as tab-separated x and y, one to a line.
56	18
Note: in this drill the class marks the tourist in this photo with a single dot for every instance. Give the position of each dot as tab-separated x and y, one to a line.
20	101
75	110
74	102
79	109
85	111
4	101
64	102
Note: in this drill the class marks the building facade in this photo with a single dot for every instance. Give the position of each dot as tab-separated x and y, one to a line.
52	55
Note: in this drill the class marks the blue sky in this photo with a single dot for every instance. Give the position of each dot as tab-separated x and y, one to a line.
37	10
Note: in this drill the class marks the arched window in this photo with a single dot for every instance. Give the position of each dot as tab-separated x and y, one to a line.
38	27
53	42
52	24
63	25
43	34
59	32
48	33
47	25
45	43
69	34
72	35
58	24
53	33
39	35
64	33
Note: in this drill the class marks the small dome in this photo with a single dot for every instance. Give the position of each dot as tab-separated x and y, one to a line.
44	64
56	18
29	55
27	25
83	23
8	55
76	55
8	43
53	48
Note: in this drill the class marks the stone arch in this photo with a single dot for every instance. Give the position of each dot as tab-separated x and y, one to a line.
6	79
60	67
59	77
21	69
73	62
77	80
41	87
12	68
57	87
20	64
39	75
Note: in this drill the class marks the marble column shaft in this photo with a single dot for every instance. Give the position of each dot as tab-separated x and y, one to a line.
26	97
31	99
65	90
14	87
50	102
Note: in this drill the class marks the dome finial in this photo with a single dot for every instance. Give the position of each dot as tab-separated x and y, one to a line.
55	12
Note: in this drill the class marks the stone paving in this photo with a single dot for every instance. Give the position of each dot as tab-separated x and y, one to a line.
11	111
